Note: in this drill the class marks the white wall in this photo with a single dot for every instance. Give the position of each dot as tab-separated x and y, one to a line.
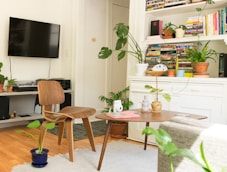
52	11
90	73
84	30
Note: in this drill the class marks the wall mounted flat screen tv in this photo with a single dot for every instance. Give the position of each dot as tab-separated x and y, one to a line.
29	38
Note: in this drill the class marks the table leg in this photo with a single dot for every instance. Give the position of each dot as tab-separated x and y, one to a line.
145	141
104	144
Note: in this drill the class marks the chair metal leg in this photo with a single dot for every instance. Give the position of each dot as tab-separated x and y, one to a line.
60	132
87	126
69	136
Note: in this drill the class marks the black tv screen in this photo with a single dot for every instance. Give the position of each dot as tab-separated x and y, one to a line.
33	39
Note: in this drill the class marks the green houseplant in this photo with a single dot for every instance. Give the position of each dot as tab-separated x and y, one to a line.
169	30
119	95
118	129
2	78
156	104
124	37
165	144
39	154
199	56
10	84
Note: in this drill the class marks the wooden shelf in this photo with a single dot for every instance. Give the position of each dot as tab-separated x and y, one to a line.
186	39
18	118
23	93
185	8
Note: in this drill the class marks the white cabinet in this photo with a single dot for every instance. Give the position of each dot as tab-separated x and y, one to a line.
202	96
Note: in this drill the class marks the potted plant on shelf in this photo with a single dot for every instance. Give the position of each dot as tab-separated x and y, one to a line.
2	78
156	104
118	129
10	85
199	56
169	30
172	67
39	154
124	38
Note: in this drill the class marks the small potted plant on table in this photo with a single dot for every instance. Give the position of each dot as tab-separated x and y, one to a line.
156	104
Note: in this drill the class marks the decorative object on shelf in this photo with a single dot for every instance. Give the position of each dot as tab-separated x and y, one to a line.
155	73
10	85
126	103
180	31
141	69
157	70
171	72
169	30
156	27
180	73
39	154
124	37
199	58
156	104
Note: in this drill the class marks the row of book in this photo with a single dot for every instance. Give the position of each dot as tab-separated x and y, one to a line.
158	4
172	55
211	24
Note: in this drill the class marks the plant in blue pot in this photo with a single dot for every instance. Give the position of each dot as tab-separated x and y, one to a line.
39	154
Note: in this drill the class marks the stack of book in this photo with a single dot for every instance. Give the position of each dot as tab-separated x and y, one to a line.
154	4
195	26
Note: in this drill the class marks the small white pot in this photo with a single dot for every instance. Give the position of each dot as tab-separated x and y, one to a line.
180	32
141	69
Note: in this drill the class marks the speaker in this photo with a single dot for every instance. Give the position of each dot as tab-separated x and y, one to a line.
4	107
222	65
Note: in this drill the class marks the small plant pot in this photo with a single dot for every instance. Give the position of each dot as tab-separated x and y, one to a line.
1	88
201	68
156	107
180	33
171	72
141	69
39	160
119	130
9	88
168	34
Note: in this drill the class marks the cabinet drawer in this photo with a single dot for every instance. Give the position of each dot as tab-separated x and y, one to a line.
197	89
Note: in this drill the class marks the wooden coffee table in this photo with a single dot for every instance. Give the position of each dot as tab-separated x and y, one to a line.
144	117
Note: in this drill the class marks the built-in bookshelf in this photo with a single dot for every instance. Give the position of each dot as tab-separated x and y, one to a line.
174	56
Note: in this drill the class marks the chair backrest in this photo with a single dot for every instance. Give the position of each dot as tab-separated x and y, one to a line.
50	92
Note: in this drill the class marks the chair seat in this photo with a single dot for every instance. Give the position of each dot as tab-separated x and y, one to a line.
77	112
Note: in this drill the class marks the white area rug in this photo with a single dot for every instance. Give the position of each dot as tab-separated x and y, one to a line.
120	156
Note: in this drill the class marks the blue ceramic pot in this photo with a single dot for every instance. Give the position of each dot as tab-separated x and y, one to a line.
39	159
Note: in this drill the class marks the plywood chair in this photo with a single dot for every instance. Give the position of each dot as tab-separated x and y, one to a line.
50	94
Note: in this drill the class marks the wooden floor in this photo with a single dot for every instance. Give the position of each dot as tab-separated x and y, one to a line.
14	147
